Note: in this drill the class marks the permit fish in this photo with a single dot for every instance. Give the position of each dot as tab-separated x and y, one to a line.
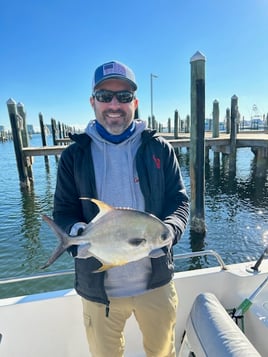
116	236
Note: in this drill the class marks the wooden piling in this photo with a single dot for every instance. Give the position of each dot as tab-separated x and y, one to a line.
176	124
43	134
54	131
22	118
25	139
234	111
197	152
216	132
169	125
261	160
59	130
216	119
187	124
228	121
154	122
16	125
181	126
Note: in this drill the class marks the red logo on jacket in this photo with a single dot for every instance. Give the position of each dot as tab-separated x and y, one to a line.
157	162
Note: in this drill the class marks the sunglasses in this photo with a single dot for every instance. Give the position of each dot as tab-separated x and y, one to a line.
106	96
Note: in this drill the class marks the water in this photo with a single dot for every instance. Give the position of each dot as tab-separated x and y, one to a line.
236	218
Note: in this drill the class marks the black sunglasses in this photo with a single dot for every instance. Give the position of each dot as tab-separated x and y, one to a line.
106	96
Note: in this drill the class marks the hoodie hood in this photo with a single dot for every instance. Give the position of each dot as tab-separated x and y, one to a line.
116	175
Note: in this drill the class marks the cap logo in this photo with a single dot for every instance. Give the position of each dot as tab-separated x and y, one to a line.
111	68
115	70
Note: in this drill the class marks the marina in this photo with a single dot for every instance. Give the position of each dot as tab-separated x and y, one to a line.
236	211
202	86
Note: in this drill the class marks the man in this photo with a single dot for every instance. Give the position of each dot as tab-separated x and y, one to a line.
121	162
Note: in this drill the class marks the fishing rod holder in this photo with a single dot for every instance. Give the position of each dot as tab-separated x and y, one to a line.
255	268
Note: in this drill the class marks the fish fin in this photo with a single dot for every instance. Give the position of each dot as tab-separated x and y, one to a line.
104	267
57	253
103	207
156	253
63	238
107	266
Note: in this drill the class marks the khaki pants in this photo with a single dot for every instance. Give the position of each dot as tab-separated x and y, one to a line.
155	313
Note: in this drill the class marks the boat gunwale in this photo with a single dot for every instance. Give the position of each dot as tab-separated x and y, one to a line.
223	266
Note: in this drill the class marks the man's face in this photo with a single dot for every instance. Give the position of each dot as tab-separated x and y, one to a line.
114	116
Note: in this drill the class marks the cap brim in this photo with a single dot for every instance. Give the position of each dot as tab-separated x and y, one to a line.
133	85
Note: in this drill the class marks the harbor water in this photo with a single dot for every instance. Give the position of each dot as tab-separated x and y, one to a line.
236	214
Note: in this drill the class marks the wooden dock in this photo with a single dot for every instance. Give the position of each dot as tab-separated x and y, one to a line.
251	139
244	139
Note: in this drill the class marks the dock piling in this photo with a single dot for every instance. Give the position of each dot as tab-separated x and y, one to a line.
216	119
197	146
16	122
43	134
25	139
176	124
233	134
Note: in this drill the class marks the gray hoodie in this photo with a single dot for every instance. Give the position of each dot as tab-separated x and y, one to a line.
118	185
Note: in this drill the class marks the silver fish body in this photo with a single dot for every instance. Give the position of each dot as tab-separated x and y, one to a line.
116	236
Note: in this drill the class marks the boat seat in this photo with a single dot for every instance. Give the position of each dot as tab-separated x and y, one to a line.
211	332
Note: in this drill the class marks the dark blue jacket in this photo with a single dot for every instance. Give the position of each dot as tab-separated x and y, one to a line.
164	194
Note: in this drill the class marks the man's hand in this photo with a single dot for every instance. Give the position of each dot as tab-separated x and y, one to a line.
77	229
82	250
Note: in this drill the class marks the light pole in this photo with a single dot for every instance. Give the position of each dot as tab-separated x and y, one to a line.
152	111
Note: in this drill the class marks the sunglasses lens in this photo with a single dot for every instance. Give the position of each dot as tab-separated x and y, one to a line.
124	96
106	96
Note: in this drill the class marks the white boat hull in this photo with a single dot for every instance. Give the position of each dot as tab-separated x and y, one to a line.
50	324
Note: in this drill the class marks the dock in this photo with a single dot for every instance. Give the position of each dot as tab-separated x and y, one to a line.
218	142
243	139
251	139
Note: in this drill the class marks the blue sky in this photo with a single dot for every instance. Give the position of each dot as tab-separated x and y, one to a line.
49	50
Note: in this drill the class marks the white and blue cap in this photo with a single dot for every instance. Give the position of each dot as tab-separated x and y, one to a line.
114	69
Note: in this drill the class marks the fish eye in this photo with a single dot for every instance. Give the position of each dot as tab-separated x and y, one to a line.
136	241
165	236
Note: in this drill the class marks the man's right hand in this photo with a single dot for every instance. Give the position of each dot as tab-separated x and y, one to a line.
77	229
82	250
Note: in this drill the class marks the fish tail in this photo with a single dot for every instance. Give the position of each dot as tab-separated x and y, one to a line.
63	238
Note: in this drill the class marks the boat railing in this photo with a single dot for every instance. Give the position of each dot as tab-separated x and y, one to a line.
201	254
71	271
36	276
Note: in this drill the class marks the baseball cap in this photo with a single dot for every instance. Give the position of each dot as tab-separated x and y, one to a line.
114	69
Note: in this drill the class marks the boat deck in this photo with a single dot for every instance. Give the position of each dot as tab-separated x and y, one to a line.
50	324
